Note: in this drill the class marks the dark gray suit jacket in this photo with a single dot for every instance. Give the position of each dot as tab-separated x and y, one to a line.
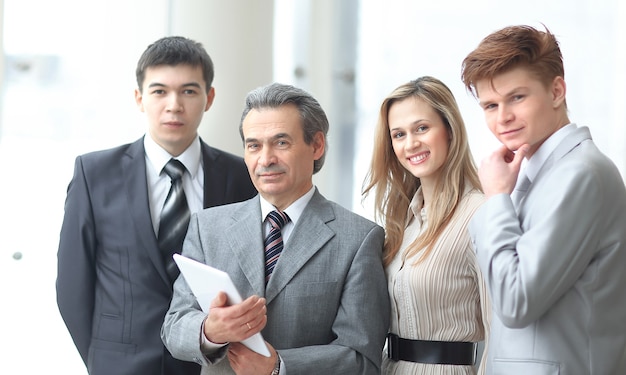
327	301
112	287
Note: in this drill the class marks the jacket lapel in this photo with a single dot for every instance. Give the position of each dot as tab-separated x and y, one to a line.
134	175
245	236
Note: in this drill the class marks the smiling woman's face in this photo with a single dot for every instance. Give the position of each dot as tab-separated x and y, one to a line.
419	138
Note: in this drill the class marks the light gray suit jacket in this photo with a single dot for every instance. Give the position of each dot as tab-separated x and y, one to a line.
555	267
327	300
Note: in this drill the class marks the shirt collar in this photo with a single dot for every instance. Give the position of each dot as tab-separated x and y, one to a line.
416	207
534	164
158	157
294	211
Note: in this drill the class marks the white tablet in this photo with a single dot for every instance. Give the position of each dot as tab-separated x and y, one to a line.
205	282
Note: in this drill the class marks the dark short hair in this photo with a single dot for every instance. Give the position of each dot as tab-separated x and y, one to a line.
275	95
172	51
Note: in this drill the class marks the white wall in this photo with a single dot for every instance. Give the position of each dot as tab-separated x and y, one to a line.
403	39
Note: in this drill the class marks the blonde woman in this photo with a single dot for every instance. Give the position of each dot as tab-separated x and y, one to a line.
425	190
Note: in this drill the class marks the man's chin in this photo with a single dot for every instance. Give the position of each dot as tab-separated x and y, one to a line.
270	188
513	146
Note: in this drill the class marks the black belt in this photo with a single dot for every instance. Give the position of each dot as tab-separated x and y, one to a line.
434	352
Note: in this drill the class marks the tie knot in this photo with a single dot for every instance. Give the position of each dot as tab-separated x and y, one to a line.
175	169
277	219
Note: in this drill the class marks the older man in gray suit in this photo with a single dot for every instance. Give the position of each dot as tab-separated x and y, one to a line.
324	309
553	252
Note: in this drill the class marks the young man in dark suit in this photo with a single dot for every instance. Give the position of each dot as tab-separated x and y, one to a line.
114	283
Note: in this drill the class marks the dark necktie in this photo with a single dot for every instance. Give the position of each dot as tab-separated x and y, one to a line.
174	217
274	241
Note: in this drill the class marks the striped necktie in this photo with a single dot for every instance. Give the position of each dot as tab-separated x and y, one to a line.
274	241
174	218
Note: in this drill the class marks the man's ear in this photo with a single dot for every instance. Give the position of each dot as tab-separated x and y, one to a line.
210	96
558	91
139	99
319	145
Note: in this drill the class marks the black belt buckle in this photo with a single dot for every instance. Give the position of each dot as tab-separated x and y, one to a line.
393	350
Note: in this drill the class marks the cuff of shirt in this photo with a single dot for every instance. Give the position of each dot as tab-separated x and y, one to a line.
208	346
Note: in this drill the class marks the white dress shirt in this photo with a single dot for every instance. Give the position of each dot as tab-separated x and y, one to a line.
159	182
294	211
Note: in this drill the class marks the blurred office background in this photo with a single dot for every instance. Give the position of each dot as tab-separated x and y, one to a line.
67	80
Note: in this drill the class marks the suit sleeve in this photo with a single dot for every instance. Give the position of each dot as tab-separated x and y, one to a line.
530	263
75	262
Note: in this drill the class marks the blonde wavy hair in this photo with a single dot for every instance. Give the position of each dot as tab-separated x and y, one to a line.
394	187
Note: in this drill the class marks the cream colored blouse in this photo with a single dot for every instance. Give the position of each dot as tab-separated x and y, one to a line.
442	298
